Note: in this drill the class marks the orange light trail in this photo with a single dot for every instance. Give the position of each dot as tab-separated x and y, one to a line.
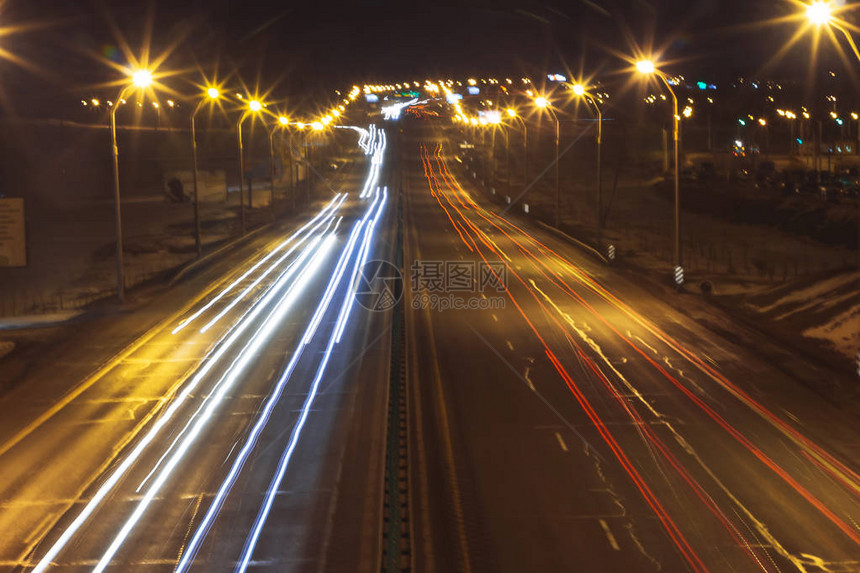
671	528
824	460
848	476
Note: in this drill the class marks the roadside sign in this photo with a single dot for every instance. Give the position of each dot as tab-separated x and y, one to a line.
13	244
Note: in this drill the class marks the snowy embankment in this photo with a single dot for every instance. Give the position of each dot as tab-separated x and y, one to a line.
826	308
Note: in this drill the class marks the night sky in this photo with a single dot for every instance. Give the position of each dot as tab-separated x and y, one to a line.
306	48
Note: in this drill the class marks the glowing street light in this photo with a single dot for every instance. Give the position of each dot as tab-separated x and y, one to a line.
648	68
140	79
819	13
212	94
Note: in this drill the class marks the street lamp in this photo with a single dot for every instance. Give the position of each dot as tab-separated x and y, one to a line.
140	79
254	106
212	94
648	68
512	113
580	91
543	103
821	13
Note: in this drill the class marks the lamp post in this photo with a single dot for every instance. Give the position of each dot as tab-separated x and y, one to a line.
290	178
512	113
282	122
295	171
507	156
211	95
821	13
544	103
140	79
580	91
316	127
647	68
254	106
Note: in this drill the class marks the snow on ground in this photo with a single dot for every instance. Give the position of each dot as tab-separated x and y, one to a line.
815	293
825	308
842	332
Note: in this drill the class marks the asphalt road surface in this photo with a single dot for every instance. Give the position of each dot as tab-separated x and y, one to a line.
243	428
559	415
571	420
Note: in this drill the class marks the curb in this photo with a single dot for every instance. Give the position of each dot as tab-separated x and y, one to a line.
193	265
31	321
570	239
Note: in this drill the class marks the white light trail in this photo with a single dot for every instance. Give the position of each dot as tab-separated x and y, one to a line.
376	163
285	276
251	543
215	507
363	256
331	205
317	317
392	112
236	300
375	142
209	361
228	379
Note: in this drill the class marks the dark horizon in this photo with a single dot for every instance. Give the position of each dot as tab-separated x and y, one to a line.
304	53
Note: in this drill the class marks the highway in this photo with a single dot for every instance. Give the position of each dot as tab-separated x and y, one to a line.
241	418
558	415
586	423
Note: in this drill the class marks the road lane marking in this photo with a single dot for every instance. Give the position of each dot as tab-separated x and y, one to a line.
528	380
561	441
508	342
612	542
117	450
112	363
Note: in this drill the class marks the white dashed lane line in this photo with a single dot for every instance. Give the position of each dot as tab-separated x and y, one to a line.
612	542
